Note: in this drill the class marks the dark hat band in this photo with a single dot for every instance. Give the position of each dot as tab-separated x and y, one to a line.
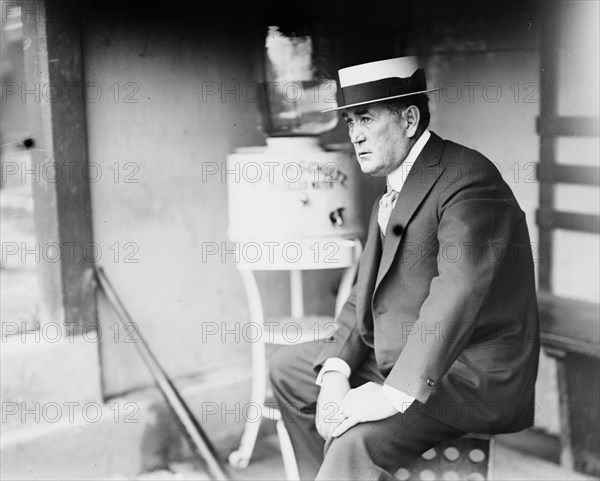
383	88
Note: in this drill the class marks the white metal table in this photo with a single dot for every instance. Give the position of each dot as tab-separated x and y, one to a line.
294	256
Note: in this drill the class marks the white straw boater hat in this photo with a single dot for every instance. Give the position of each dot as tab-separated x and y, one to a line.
381	80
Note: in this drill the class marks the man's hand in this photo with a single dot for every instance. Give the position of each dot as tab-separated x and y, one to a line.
334	388
363	404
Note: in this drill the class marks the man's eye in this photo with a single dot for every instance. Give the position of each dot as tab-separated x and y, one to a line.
365	120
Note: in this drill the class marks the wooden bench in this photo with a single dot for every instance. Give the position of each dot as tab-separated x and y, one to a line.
570	333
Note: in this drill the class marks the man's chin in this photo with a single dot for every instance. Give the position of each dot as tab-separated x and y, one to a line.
371	170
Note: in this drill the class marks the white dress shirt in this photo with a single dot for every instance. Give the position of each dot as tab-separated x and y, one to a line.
399	399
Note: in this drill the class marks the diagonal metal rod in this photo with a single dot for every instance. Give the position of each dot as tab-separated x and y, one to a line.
193	432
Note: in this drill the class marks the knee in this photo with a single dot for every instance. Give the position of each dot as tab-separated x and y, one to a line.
279	367
359	442
356	441
275	367
292	377
352	451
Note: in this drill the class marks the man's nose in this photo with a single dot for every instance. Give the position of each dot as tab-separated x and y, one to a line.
357	135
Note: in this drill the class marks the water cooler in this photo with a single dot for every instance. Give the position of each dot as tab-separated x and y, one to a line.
294	187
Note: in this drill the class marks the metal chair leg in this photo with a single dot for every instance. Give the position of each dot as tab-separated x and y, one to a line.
287	452
240	458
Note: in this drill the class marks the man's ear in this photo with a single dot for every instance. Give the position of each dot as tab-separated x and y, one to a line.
412	116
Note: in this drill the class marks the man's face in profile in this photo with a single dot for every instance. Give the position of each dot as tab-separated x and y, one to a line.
379	137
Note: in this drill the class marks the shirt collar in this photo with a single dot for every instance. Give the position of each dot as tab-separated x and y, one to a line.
396	178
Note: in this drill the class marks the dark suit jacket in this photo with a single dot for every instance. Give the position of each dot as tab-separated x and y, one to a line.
448	303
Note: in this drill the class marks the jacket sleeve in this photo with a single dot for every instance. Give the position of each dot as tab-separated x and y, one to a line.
477	215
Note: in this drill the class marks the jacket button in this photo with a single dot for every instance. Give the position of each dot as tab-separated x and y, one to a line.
430	382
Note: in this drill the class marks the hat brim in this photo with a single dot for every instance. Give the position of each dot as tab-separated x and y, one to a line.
343	107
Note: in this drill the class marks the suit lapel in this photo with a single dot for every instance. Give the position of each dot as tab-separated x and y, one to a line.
369	260
420	180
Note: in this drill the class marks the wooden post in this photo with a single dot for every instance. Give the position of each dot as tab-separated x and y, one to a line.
54	92
548	108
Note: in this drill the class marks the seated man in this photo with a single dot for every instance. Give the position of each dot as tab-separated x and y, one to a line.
440	334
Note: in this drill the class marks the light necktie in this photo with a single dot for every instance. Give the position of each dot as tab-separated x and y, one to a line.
386	204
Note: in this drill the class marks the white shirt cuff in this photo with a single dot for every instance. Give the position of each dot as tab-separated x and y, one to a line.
333	364
399	399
